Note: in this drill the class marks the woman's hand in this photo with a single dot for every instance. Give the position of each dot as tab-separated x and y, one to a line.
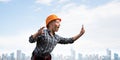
82	30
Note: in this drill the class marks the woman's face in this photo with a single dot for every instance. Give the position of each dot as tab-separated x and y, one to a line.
55	25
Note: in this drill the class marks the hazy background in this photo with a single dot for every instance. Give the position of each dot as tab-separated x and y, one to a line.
101	19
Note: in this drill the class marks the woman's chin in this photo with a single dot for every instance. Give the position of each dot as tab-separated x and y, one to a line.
56	30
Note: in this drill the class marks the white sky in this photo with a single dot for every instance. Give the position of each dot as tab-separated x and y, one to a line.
101	24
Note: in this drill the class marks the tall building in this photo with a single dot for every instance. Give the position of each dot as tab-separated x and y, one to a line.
108	54
0	58
23	56
12	56
80	57
73	54
18	54
4	57
116	56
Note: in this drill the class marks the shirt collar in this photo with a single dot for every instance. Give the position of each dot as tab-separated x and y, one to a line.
50	31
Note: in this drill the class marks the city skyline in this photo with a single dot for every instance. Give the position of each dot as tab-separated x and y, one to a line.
19	55
73	56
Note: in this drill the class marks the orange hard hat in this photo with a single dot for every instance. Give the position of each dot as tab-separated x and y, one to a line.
51	18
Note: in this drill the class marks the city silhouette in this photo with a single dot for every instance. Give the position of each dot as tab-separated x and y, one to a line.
73	56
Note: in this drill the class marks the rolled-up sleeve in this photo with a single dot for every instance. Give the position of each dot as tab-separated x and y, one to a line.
31	40
63	40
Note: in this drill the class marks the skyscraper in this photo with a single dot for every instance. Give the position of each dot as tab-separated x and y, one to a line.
23	56
0	58
12	56
80	57
18	54
108	54
4	56
116	56
73	54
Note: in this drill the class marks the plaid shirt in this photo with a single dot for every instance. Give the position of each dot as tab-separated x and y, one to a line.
46	42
